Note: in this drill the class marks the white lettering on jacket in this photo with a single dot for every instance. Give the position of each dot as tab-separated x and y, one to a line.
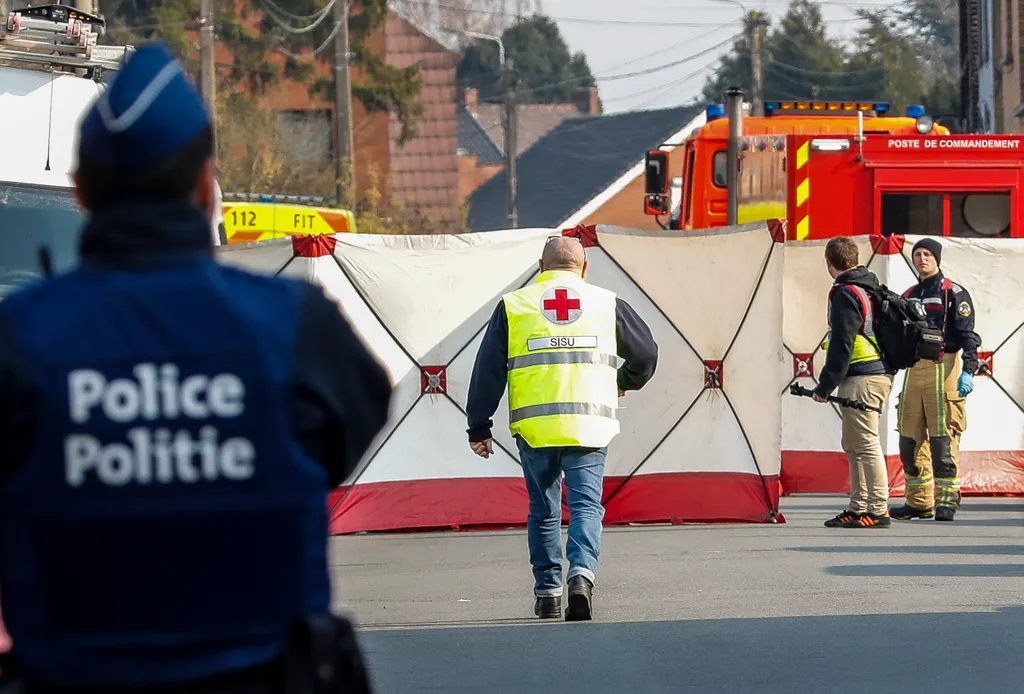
156	455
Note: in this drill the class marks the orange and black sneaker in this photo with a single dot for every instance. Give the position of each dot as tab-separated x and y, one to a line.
843	517
868	520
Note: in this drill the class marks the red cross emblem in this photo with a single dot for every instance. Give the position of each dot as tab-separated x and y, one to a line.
561	305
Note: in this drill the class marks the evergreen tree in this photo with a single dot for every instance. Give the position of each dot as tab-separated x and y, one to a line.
546	71
904	54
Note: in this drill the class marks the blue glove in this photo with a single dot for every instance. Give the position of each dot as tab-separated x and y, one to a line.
965	385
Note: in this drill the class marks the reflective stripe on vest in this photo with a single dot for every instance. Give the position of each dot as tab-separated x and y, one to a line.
865	344
562	362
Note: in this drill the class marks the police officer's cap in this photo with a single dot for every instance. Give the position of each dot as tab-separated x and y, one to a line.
147	112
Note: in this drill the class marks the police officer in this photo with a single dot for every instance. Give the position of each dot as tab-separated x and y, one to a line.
170	429
557	343
931	409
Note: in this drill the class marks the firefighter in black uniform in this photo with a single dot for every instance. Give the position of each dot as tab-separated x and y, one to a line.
931	409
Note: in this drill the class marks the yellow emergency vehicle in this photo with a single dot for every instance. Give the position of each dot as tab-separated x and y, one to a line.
251	217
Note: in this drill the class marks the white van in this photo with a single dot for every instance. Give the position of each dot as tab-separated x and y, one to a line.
43	98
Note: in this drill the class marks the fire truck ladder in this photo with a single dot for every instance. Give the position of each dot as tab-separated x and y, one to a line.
59	37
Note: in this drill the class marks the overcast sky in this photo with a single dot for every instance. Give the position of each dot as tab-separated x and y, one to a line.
615	35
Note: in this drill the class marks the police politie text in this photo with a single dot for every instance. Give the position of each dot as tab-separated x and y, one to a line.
156	454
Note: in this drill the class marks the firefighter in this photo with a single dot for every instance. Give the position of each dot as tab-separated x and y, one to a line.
932	407
171	427
557	344
854	364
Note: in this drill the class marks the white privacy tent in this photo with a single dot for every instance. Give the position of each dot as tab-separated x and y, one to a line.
702	442
992	448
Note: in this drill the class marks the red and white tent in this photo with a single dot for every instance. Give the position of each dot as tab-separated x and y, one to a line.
992	448
702	442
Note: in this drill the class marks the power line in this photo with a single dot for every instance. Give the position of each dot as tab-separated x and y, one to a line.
627	75
568	20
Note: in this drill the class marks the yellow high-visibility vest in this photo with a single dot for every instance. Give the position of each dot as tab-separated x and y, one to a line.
865	344
562	362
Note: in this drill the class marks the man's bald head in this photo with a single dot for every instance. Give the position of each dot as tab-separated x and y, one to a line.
563	253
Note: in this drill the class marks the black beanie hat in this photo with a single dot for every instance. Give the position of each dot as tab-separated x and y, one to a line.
930	245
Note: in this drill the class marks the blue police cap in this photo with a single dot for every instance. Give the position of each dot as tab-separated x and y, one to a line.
147	112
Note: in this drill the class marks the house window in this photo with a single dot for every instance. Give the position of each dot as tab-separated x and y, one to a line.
307	134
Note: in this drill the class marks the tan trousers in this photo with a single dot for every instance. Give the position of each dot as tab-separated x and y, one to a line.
932	417
869	476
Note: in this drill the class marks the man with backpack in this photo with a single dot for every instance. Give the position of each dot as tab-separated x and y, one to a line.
931	408
854	364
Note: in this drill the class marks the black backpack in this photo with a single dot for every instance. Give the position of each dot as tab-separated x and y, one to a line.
901	328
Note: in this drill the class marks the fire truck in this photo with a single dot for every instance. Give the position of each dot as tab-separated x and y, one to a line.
51	70
700	200
952	185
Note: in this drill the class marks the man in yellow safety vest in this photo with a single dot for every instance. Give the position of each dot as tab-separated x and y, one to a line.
567	350
854	364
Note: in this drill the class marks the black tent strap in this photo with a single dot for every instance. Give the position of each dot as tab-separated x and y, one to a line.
369	461
753	297
753	456
656	447
653	303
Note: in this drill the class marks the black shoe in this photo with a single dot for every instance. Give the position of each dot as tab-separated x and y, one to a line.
843	517
868	520
548	608
580	594
906	512
945	513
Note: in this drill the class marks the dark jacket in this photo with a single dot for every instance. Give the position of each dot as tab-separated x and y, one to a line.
635	342
950	308
334	402
339	396
846	318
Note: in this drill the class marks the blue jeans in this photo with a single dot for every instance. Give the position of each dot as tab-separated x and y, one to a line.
584	477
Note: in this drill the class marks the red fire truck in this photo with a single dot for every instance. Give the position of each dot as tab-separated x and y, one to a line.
700	202
948	185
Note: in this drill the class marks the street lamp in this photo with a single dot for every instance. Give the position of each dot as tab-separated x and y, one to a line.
508	123
489	37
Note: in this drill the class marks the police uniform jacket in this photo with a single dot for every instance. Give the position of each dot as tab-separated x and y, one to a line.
121	565
950	308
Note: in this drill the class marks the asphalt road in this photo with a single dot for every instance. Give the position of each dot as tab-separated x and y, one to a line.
773	609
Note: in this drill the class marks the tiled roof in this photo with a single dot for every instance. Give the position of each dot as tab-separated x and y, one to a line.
535	121
473	140
573	164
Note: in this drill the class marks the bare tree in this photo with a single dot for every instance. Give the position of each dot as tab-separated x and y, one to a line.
486	16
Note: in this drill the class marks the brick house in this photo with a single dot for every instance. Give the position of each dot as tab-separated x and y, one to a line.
587	170
424	172
482	135
1007	53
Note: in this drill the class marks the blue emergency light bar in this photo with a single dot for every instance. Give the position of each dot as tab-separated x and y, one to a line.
915	110
264	197
824	108
714	112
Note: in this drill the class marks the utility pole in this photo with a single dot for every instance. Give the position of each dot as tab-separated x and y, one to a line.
208	68
84	6
754	23
734	111
344	149
511	124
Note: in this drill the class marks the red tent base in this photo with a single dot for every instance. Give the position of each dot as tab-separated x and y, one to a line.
982	473
501	502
